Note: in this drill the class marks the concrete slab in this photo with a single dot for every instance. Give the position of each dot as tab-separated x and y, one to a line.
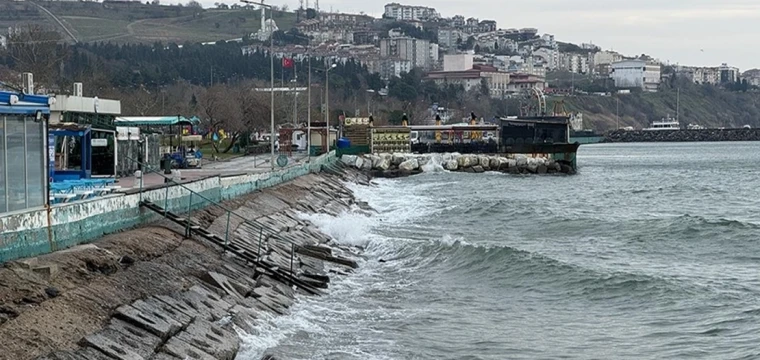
119	350
183	350
211	339
158	325
89	353
160	308
210	305
224	283
61	355
145	343
164	356
179	305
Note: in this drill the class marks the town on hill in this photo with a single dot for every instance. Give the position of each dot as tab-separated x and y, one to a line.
410	60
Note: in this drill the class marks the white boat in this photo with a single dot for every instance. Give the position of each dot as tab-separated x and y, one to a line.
667	123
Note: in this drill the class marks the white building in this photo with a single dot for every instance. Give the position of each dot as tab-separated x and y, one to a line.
636	74
407	12
3	41
604	58
405	48
450	37
549	41
390	68
574	63
458	62
549	57
434	55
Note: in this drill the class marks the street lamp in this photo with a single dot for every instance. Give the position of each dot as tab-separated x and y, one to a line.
327	102
271	74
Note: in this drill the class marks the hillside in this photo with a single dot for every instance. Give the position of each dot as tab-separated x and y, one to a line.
135	22
704	105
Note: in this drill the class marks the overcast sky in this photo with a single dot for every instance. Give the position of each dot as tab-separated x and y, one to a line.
688	32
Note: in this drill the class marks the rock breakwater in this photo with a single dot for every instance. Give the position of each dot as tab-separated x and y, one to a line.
397	165
683	135
151	293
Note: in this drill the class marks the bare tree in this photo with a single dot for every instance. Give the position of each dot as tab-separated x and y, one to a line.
140	102
36	50
219	111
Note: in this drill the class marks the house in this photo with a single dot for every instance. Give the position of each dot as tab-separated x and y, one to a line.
636	74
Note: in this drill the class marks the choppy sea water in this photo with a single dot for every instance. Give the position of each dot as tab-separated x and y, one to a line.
651	252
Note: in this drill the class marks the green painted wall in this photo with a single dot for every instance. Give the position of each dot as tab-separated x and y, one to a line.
35	232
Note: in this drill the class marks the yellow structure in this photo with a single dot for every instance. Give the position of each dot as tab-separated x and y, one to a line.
438	132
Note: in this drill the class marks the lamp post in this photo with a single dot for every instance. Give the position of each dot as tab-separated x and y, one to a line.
271	75
327	103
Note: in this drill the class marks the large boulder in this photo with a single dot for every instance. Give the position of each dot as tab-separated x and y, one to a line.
349	160
464	161
359	162
484	161
367	164
409	165
511	163
397	159
451	165
495	163
478	169
521	162
376	160
423	160
383	164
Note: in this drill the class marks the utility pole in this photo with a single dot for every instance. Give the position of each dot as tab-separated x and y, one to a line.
678	105
295	93
308	114
617	111
271	77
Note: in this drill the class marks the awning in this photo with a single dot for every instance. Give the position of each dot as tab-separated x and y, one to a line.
154	120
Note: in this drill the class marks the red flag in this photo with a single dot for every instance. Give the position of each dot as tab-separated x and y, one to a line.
287	63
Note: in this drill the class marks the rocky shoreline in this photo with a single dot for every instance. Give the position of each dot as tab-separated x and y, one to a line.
683	135
398	165
150	293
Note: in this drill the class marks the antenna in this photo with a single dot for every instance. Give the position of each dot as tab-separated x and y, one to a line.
316	5
300	4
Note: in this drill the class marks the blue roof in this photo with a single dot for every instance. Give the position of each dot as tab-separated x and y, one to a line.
23	103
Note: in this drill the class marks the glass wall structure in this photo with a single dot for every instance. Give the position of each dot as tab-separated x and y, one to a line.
23	179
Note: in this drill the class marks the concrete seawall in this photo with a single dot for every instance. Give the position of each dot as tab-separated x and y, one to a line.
41	231
683	135
150	293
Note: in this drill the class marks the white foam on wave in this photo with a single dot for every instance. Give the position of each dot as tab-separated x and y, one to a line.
397	203
435	164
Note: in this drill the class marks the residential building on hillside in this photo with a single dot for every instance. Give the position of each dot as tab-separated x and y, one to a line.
390	68
457	62
573	63
434	55
604	58
487	26
496	81
450	37
406	48
728	73
366	37
636	74
521	35
752	77
341	19
548	40
458	21
407	12
549	57
709	75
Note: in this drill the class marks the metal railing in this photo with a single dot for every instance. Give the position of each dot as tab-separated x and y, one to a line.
262	229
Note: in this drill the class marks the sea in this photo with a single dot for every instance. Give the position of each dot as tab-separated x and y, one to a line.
652	251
